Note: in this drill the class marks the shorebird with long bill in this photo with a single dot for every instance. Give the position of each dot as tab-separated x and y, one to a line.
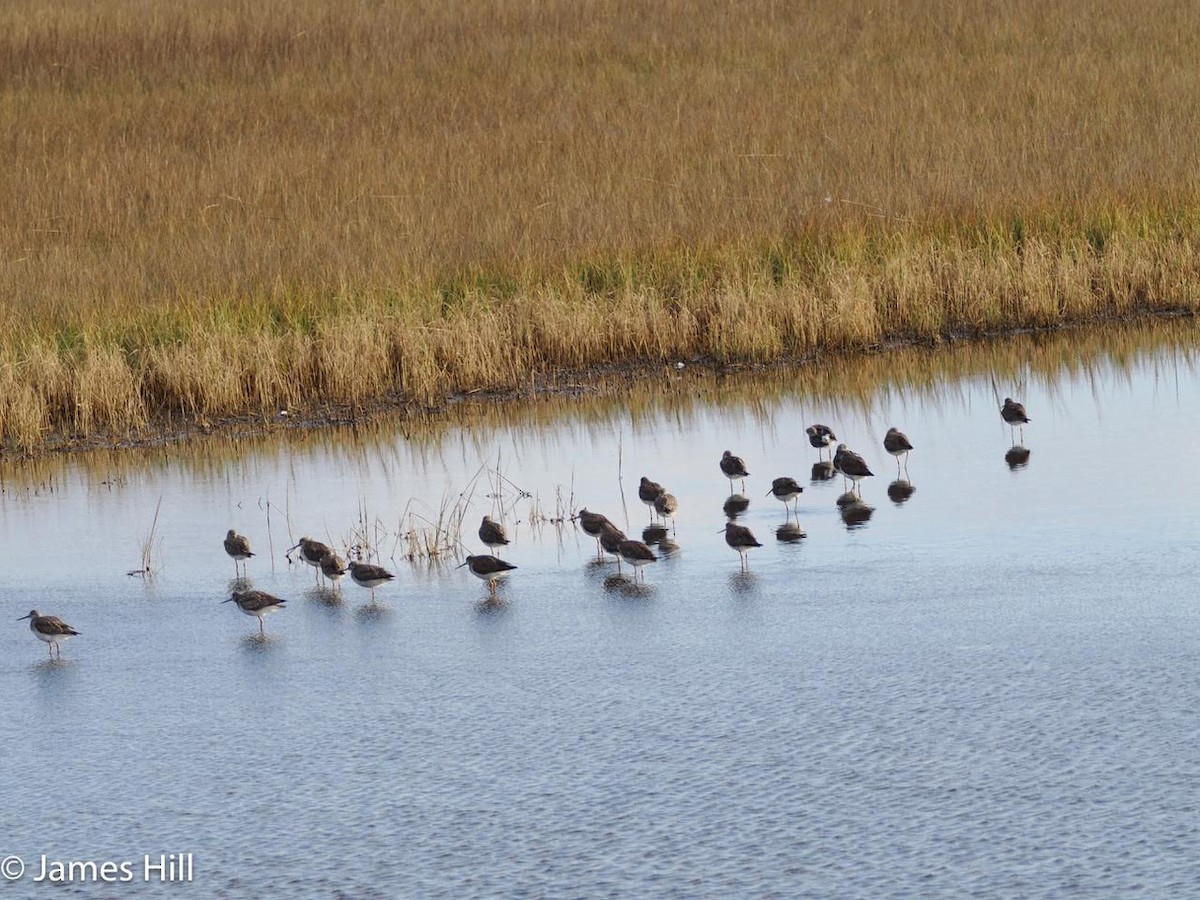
50	629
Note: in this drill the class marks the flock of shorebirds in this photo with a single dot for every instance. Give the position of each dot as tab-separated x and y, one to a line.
609	539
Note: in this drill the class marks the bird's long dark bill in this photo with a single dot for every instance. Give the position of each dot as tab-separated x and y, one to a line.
460	565
23	618
230	600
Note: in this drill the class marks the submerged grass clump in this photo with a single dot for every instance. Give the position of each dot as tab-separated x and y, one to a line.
227	209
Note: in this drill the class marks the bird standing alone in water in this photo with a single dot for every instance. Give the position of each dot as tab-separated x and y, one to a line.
851	465
733	467
50	629
741	539
785	490
369	576
256	603
1014	414
237	546
820	437
488	568
896	443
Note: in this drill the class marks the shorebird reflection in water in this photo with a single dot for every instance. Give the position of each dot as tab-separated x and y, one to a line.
369	576
492	534
820	437
649	492
851	465
256	603
741	539
856	514
487	568
238	547
1013	414
735	505
50	629
785	490
896	443
734	467
1017	457
789	532
822	471
900	490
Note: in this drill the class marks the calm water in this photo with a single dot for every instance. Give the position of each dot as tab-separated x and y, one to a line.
988	690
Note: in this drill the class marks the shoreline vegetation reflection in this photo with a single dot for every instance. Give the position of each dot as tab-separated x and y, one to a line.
856	383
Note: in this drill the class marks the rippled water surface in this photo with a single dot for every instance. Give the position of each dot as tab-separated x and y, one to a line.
987	689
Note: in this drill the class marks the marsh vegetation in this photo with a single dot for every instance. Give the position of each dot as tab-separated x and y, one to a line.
229	208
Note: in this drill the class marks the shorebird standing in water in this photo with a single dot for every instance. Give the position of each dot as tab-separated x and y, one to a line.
610	539
592	524
785	490
734	467
237	546
666	506
820	437
851	465
369	576
312	552
648	492
333	567
493	534
896	443
741	539
50	629
1014	414
487	568
637	554
256	603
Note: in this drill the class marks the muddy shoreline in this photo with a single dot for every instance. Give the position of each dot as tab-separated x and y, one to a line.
596	380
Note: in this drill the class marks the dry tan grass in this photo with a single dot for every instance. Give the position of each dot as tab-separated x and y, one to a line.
226	207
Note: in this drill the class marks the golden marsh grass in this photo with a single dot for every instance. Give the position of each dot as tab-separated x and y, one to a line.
224	208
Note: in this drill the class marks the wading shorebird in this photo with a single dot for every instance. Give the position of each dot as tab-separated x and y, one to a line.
851	465
1014	414
333	567
592	524
785	490
637	555
487	568
896	443
610	539
369	576
237	546
492	533
666	506
820	437
648	492
256	603
734	467
312	552
50	629
741	539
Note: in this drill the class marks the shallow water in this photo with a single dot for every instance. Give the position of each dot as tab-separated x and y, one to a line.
986	690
